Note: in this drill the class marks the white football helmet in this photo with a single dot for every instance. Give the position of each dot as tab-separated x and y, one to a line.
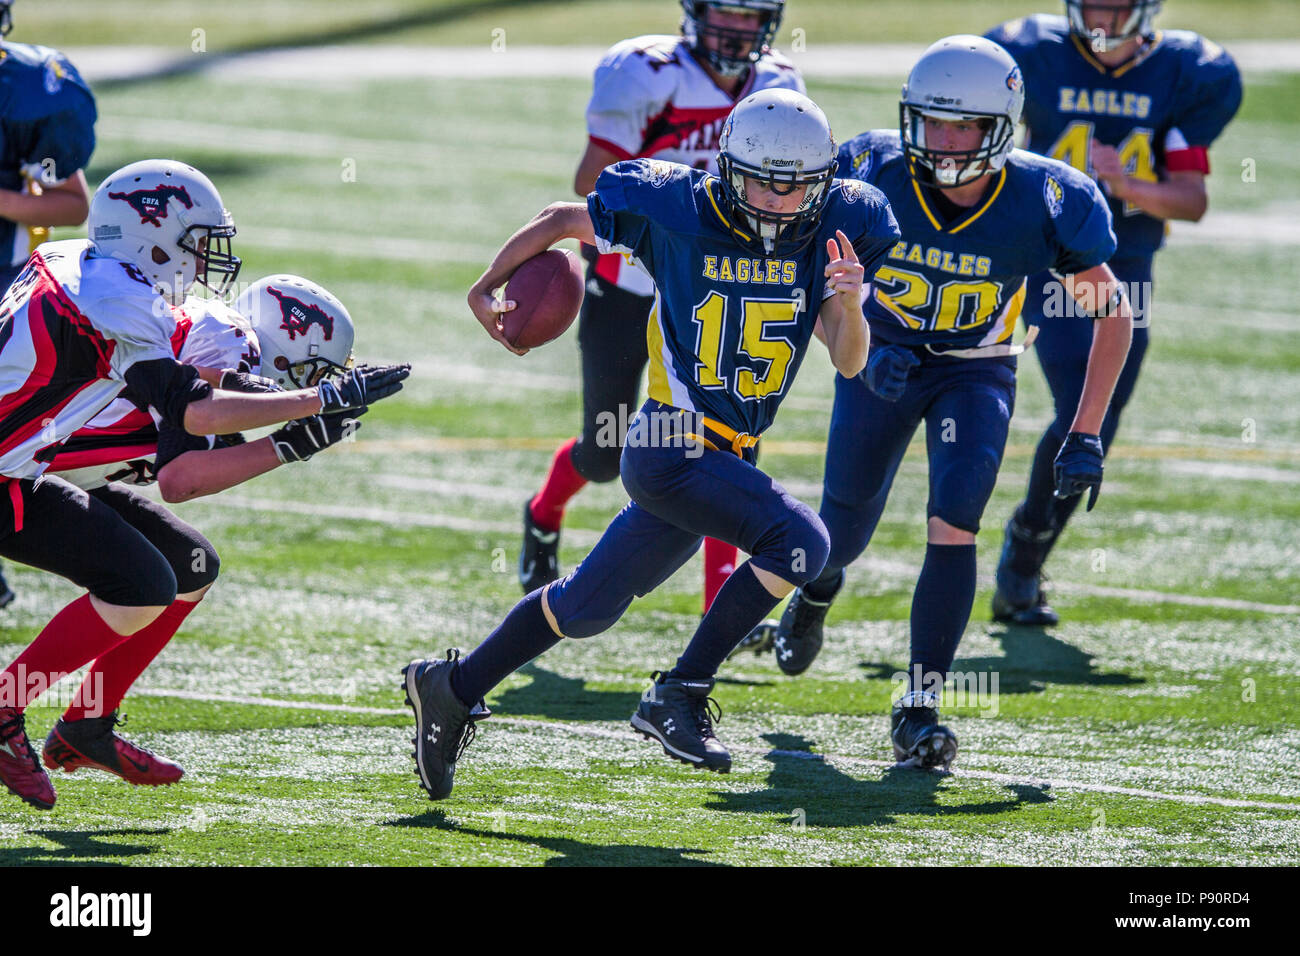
961	78
166	219
304	332
1129	19
781	139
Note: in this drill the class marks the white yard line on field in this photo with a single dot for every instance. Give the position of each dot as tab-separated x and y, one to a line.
606	733
352	64
586	538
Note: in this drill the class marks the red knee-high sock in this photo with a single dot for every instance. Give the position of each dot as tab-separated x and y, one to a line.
719	562
562	483
112	674
76	636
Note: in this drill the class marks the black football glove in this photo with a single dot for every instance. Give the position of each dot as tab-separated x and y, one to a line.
1078	466
886	371
363	385
301	438
232	381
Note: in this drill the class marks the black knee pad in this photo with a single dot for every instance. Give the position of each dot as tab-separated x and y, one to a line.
204	566
798	547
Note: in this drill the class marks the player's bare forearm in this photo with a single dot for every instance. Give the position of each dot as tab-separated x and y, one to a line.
1111	338
63	205
1181	196
223	412
846	335
558	221
198	473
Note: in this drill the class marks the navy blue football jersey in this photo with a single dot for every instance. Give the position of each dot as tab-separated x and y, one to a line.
1167	104
960	283
47	128
728	327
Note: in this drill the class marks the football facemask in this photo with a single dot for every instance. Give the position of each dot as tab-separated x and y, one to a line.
1126	19
730	50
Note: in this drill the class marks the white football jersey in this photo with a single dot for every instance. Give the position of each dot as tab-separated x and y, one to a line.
208	334
651	98
71	324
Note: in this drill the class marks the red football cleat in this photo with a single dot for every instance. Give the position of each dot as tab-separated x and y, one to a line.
92	742
19	769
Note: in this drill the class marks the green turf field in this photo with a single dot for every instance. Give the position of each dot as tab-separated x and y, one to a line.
1159	724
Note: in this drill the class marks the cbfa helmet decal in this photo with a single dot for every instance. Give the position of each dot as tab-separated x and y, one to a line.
1014	80
1054	196
151	204
298	316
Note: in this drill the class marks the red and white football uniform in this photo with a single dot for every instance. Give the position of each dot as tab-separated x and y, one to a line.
651	98
121	441
71	325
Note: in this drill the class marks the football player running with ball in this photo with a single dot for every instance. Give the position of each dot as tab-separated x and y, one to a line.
1137	109
744	264
664	97
977	217
85	319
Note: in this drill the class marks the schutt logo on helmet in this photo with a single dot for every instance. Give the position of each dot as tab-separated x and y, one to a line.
151	204
299	316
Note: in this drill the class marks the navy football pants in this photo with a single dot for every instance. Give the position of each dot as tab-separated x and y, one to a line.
1063	346
966	405
680	493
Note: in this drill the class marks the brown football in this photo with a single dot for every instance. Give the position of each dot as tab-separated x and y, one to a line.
547	291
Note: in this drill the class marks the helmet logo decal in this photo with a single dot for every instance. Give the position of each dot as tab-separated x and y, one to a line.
151	204
1014	80
298	316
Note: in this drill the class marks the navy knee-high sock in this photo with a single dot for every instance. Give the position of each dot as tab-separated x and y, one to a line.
523	635
741	604
940	608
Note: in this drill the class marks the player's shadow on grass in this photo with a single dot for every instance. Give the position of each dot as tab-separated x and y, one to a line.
572	852
803	788
563	698
1033	658
435	14
82	847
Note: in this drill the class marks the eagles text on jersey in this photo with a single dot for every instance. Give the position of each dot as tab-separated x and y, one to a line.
960	283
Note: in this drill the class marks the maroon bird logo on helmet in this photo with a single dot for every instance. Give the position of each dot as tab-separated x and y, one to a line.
297	317
151	204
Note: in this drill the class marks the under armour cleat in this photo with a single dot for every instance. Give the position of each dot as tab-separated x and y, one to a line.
1019	598
20	771
799	636
539	562
760	640
1037	614
92	742
680	714
920	741
444	726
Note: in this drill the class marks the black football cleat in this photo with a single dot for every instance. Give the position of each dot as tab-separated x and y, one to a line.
92	742
1038	614
799	636
539	561
679	714
1019	598
444	726
920	741
760	640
